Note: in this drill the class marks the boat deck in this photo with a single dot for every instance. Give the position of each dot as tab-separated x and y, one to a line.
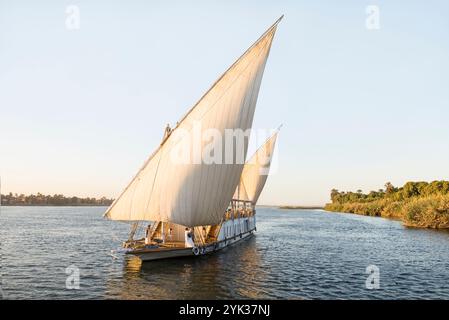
161	252
157	247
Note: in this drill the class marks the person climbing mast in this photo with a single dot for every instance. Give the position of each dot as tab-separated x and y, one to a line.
167	131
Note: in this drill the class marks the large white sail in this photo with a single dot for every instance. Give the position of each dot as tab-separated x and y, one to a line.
255	172
191	193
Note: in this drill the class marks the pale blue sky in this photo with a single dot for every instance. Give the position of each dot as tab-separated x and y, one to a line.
81	110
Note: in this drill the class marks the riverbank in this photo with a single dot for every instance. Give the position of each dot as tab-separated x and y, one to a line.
417	204
57	200
301	207
55	205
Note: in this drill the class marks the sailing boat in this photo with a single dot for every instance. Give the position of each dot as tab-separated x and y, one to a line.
196	207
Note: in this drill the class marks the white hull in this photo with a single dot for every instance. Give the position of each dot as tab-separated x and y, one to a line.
231	232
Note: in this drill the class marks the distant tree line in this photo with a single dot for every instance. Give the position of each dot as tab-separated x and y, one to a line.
48	200
409	190
419	204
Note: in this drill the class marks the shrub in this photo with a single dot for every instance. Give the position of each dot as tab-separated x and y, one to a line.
428	212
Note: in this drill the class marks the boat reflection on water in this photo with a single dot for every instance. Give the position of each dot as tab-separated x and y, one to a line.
227	274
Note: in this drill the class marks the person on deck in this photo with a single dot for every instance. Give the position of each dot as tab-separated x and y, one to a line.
148	234
163	234
189	243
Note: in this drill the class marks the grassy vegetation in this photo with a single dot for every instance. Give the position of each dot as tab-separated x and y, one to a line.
301	207
417	204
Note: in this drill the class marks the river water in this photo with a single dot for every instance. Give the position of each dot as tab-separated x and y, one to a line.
295	254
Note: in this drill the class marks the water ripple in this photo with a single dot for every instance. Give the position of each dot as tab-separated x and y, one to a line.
302	254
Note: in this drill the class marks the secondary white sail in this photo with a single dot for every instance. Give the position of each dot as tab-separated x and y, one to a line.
193	194
255	172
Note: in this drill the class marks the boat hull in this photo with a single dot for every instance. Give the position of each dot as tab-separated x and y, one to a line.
231	232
